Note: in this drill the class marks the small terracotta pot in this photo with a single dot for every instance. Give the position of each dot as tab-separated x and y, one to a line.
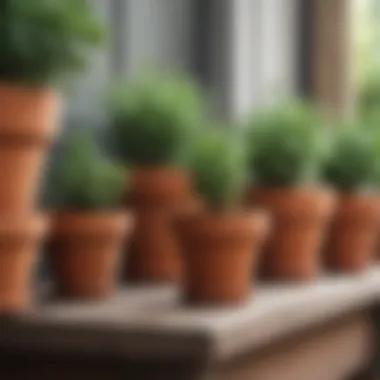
300	219
28	123
19	242
157	197
220	251
352	239
85	250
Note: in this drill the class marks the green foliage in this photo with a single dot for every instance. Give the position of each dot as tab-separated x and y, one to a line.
369	98
83	179
218	167
286	145
353	163
41	40
154	120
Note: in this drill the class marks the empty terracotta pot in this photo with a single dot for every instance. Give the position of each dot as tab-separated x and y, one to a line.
220	251
19	243
85	249
352	239
28	123
300	219
157	197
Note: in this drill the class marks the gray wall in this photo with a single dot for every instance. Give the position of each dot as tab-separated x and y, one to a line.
249	48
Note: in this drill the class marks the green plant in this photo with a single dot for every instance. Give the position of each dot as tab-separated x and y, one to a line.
286	145
41	40
353	163
218	168
82	179
153	121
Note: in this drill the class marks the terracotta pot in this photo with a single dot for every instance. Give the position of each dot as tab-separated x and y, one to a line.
19	242
352	239
300	218
28	122
158	196
85	251
219	253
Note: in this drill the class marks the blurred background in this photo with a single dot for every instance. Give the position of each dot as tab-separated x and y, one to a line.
245	53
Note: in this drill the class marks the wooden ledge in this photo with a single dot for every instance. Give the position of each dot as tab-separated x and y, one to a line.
152	323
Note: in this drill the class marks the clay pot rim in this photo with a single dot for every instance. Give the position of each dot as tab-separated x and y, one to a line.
90	215
296	190
29	89
158	169
358	195
36	224
255	218
324	198
99	220
143	174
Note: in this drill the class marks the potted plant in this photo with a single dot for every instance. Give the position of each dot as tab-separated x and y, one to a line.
286	153
221	242
89	225
20	239
153	124
352	169
40	42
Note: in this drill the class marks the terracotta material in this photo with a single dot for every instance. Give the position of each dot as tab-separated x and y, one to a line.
158	196
28	123
300	218
85	252
352	239
19	242
220	252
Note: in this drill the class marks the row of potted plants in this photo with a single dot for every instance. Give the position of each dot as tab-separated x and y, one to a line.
204	207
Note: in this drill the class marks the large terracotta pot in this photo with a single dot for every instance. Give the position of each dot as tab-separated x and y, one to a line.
157	197
220	251
352	239
19	243
300	219
85	250
28	123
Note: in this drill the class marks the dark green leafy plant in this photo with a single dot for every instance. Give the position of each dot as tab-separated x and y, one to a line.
353	163
82	179
153	121
286	145
41	40
218	167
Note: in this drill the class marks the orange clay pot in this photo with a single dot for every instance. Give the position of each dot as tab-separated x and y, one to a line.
157	196
220	253
85	252
28	121
300	218
352	239
19	243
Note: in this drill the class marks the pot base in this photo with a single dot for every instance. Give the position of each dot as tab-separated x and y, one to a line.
220	253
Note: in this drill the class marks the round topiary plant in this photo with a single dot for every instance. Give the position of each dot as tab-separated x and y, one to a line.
89	225
219	169
285	146
82	179
220	242
43	39
154	119
287	150
353	169
353	162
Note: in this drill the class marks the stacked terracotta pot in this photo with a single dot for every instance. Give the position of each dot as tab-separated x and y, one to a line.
157	197
28	123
